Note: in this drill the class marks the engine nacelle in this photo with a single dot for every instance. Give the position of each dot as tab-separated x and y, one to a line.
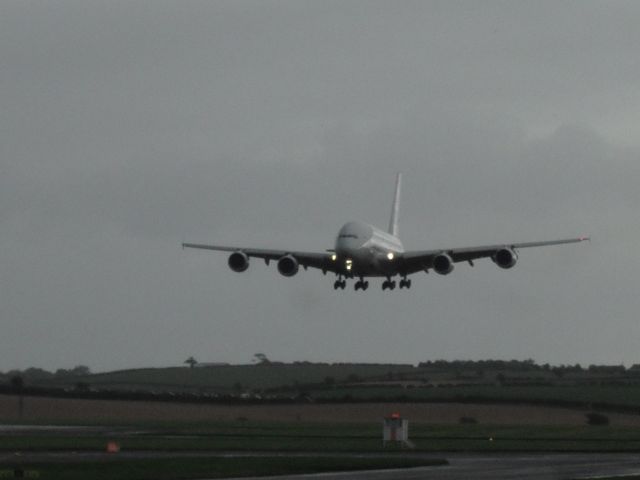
238	261
505	258
443	264
288	265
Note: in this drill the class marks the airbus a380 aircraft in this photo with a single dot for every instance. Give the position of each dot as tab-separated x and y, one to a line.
362	250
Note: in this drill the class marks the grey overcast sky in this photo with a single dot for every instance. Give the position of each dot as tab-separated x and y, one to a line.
127	127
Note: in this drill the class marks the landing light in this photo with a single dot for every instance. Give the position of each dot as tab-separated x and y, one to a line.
348	264
390	255
334	257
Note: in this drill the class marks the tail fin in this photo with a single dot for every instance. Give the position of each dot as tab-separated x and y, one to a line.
393	222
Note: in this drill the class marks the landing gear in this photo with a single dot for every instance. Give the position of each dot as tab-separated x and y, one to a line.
361	285
339	283
388	283
391	284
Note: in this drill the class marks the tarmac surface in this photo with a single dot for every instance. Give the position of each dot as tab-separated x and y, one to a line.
500	467
552	466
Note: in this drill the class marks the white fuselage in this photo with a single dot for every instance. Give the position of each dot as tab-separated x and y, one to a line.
364	250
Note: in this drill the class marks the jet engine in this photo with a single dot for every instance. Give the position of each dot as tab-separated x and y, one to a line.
443	264
238	261
288	265
505	258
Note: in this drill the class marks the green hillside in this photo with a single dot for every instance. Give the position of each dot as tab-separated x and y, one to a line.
597	386
225	378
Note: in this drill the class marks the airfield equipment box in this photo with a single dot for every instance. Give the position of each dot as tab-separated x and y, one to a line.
395	430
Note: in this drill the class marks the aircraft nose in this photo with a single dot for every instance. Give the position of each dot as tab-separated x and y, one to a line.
348	244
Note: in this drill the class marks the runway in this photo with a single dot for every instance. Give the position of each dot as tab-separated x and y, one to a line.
501	467
552	466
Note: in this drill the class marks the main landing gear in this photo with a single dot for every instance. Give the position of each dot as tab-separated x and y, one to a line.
359	285
362	284
388	284
391	284
339	284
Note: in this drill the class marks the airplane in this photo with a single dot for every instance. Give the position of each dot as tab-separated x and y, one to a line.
362	250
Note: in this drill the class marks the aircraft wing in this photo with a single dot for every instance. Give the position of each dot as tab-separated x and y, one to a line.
415	261
320	260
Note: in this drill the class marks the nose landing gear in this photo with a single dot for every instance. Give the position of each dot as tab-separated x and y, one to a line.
405	283
361	285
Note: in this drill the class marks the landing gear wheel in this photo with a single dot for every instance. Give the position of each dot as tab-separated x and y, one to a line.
339	284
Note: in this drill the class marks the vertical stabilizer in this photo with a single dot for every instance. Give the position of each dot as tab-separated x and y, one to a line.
393	222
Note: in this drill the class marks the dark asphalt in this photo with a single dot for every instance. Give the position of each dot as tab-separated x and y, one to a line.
500	467
552	466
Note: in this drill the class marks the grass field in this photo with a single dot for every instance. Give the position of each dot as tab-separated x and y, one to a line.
191	435
327	438
80	411
157	426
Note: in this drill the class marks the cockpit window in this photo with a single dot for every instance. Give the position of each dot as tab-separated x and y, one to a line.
348	235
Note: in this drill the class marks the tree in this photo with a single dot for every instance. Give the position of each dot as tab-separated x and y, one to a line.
192	362
82	387
261	358
80	371
17	384
33	374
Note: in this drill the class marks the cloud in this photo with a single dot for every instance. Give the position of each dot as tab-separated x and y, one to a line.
127	129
